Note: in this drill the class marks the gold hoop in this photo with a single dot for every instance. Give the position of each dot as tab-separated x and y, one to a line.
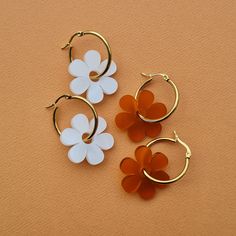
187	159
166	78
54	105
82	33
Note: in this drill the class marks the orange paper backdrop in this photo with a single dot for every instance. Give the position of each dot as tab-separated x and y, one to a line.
42	192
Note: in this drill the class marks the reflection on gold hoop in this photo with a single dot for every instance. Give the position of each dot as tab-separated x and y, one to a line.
82	33
55	123
187	159
166	78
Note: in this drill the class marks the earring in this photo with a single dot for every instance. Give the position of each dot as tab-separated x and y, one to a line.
92	75
142	117
87	139
146	174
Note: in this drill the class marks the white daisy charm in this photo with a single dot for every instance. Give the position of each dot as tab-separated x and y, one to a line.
92	151
82	71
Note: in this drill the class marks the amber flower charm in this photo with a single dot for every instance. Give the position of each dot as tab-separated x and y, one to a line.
135	180
129	120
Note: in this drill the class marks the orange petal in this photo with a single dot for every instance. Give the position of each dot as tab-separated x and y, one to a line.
156	111
128	103
124	120
145	100
159	161
129	166
137	132
131	183
153	129
147	190
161	175
143	155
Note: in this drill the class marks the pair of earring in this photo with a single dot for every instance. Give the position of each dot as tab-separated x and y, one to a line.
141	118
87	139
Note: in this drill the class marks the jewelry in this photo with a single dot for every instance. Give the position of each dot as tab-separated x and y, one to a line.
142	117
92	75
87	139
146	174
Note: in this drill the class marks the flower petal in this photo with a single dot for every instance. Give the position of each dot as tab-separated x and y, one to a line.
156	111
80	122
152	130
102	125
131	183
95	93
147	190
93	59
78	68
129	166
145	100
128	103
77	153
112	69
108	84
94	154
105	141
161	175
137	132
143	156
79	85
125	120
159	161
70	137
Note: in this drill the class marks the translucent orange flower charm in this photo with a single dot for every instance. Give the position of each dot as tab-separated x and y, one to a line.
130	121
136	181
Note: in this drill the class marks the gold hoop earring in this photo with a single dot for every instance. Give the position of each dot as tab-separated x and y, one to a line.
91	75
142	117
165	78
105	42
54	118
145	174
187	159
87	139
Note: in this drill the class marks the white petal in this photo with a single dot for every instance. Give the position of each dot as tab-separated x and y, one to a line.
105	141
79	85
95	93
78	152
93	59
80	122
78	68
102	124
94	154
70	137
108	84
112	69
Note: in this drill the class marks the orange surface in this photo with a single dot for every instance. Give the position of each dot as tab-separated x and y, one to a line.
42	192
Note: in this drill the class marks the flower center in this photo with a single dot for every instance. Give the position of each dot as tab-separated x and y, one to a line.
84	137
93	76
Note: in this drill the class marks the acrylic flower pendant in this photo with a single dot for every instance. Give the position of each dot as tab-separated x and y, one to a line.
91	151
129	120
83	71
136	181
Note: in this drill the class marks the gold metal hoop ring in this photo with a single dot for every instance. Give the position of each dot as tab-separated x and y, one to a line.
166	78
105	42
55	123
187	159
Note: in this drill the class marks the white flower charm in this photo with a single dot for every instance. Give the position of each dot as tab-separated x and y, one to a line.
82	71
80	150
